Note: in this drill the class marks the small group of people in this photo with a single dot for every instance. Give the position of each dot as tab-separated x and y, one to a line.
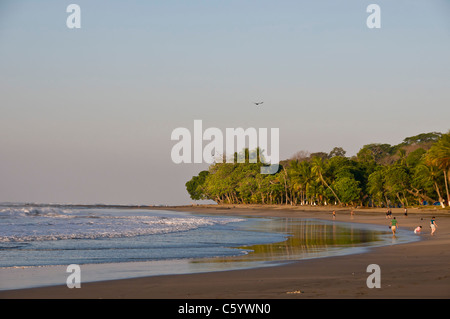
394	226
352	214
388	213
433	226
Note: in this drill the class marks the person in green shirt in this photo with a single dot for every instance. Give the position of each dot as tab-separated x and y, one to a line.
394	225
433	225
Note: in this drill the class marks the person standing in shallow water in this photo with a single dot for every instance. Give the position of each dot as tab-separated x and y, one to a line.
433	225
394	225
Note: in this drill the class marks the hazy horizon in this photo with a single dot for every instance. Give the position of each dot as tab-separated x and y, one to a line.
86	114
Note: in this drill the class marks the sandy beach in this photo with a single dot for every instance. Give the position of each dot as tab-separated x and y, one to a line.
418	270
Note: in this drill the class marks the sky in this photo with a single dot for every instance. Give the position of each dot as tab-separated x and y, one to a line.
86	115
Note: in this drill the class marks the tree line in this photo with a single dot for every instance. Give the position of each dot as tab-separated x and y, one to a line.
414	172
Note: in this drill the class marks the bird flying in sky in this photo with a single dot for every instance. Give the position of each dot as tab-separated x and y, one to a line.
258	103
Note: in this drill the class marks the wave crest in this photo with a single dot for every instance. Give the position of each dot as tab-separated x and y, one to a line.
46	224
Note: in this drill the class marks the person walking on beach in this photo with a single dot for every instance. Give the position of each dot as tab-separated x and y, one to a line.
394	225
388	213
334	214
433	225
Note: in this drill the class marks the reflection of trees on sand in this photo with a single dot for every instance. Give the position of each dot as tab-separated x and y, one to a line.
307	238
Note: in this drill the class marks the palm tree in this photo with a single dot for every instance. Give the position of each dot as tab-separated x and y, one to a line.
295	181
402	156
439	155
306	178
376	186
396	181
429	174
318	169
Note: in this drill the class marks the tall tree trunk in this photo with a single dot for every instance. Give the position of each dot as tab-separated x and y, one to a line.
387	201
285	185
446	185
439	194
326	184
406	200
401	201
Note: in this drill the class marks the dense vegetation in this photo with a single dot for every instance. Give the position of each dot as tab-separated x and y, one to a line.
414	172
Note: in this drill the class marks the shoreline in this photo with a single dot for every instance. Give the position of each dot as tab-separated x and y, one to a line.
414	270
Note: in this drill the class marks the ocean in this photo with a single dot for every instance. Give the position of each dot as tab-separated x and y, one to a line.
37	243
43	236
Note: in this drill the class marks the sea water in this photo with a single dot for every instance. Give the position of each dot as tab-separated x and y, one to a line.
37	243
42	236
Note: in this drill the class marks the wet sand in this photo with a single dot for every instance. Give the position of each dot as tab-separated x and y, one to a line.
415	270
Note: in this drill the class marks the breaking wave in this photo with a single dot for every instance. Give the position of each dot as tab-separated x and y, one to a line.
47	223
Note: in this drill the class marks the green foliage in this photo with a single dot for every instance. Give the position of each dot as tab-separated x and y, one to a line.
379	175
337	151
375	152
347	189
414	158
194	186
422	138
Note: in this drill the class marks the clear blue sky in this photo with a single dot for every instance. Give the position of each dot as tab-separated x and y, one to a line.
86	114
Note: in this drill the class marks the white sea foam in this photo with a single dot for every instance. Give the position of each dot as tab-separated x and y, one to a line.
16	212
47	223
